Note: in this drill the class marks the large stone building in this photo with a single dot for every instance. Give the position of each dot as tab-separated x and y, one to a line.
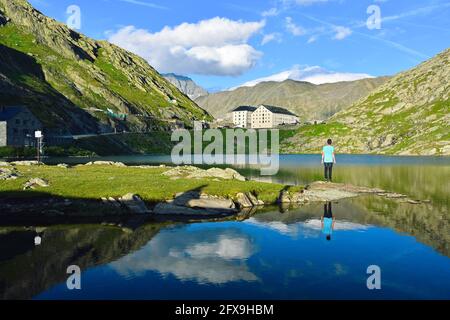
17	126
262	117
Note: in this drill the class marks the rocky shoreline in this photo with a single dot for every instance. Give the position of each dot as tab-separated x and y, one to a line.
189	203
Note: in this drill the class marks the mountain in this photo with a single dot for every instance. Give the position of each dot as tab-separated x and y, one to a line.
186	85
309	101
70	81
408	115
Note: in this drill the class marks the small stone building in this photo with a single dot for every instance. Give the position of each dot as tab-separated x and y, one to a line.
17	126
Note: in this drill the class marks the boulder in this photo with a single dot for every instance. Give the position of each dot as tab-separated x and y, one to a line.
105	163
195	199
254	200
284	197
63	165
134	203
243	201
35	182
211	203
8	174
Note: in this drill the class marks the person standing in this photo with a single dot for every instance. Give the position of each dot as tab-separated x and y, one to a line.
328	159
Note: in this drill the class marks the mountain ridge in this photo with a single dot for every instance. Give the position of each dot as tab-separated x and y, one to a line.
309	101
186	85
408	115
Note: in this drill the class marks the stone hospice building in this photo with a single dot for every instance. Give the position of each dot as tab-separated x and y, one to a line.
17	126
262	117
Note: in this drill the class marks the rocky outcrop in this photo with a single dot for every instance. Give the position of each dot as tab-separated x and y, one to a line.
186	85
191	172
105	163
324	191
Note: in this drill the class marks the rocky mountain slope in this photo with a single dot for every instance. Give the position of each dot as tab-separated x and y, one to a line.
408	115
186	85
70	81
309	101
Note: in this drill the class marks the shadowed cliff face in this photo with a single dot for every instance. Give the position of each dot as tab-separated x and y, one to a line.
72	72
26	270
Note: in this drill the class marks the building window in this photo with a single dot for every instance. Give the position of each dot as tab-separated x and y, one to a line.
17	121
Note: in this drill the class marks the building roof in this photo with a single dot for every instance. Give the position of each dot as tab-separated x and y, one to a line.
7	113
244	108
279	110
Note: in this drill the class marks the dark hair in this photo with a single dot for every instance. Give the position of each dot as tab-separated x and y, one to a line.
329	141
328	237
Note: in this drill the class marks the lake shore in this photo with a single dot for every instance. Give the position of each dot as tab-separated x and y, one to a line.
112	189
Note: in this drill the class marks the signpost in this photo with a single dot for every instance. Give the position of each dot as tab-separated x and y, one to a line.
38	135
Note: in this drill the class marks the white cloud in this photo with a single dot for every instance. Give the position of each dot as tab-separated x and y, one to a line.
308	229
271	37
271	12
313	74
341	32
218	46
145	4
302	2
293	28
312	39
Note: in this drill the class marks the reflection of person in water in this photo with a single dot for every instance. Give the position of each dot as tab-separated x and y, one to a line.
327	220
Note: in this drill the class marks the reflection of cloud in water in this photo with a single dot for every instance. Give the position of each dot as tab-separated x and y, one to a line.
214	256
339	225
308	229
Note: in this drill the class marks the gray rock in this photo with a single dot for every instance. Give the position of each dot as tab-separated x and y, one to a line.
63	165
254	200
194	199
105	163
211	203
191	172
35	182
134	203
25	163
243	201
8	174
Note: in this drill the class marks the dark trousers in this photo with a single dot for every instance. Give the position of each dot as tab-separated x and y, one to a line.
328	170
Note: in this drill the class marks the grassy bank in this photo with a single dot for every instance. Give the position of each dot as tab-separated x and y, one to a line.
95	182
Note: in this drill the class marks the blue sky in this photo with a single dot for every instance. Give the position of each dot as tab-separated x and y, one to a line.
228	43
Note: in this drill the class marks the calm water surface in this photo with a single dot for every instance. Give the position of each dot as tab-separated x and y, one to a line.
273	253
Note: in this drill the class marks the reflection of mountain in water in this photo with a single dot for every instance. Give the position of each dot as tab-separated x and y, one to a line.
213	256
26	270
429	224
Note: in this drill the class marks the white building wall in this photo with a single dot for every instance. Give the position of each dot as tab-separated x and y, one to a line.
262	118
242	119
